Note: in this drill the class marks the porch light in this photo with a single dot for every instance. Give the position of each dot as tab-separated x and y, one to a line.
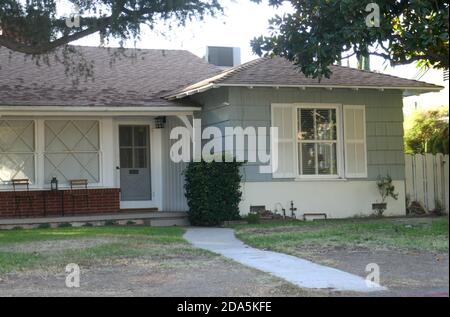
54	184
160	122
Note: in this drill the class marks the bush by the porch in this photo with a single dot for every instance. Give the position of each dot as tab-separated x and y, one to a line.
213	192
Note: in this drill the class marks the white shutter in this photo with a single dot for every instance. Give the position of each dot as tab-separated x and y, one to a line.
283	118
355	141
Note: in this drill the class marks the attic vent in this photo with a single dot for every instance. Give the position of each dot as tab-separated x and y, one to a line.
445	75
223	56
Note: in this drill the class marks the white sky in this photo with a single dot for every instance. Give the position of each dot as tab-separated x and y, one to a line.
241	22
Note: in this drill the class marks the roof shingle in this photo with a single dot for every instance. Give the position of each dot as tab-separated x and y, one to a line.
280	72
120	77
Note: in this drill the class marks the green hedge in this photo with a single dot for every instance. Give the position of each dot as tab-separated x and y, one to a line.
213	192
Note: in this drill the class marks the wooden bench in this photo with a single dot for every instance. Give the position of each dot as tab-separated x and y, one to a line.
78	189
21	195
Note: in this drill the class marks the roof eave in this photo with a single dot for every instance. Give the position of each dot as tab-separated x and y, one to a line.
408	90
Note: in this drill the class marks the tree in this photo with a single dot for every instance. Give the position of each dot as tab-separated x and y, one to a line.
427	132
34	26
318	32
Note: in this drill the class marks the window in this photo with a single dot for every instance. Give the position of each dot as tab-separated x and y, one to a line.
317	141
133	143
72	149
17	150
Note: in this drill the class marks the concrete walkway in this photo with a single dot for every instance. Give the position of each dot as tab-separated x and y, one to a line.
297	271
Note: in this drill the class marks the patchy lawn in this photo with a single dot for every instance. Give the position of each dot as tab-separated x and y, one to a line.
125	261
412	253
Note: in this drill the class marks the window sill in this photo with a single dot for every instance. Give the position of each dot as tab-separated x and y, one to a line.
319	179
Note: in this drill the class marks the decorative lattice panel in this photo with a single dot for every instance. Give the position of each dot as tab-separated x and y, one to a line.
72	150
16	150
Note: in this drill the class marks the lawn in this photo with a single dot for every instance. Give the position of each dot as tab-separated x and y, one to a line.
22	249
411	253
125	261
423	234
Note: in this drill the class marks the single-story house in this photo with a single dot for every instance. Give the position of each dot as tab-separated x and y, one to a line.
105	116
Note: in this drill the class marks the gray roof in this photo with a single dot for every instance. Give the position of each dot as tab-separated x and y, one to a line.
120	77
280	72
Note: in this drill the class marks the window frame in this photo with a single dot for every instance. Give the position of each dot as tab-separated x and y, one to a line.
63	184
339	141
34	154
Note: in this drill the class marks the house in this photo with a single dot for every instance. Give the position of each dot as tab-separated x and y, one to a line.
107	116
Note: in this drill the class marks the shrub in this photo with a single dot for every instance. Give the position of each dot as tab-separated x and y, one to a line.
110	223
65	225
88	224
213	192
253	218
130	223
44	226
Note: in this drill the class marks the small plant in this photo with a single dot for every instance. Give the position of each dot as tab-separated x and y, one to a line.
65	225
439	209
253	218
130	223
44	226
386	190
110	223
88	224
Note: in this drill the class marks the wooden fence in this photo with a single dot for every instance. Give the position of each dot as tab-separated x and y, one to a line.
427	180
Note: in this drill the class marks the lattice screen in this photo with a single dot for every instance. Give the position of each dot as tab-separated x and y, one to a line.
16	150
72	150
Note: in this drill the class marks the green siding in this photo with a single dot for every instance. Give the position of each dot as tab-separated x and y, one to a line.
251	107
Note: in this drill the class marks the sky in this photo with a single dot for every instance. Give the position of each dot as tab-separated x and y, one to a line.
242	21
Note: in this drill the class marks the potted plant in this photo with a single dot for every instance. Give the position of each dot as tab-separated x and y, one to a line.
386	190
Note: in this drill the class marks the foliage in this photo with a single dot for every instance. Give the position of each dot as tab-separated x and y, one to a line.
253	218
317	32
386	190
35	27
426	132
213	192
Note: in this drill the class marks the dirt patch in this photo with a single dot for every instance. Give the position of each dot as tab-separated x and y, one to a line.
56	245
403	272
203	276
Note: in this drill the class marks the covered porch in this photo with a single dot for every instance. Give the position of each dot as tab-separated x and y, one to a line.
105	160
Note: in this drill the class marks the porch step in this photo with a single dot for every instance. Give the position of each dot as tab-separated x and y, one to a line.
155	218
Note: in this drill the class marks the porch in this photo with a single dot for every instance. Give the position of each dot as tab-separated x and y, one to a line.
138	218
123	154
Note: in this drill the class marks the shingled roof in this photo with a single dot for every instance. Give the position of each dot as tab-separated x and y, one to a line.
279	72
120	77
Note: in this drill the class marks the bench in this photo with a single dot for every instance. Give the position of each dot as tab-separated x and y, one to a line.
21	195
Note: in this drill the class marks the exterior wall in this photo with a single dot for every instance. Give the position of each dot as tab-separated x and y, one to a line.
244	107
39	203
338	199
384	121
173	180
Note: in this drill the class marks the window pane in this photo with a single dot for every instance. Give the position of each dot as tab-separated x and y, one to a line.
140	136
140	156
125	136
308	155
126	158
326	154
326	124
306	119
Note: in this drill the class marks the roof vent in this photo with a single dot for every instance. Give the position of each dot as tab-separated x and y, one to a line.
224	57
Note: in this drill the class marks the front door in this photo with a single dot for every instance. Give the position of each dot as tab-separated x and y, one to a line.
135	177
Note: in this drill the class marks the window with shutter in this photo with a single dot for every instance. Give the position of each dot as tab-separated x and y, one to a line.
355	141
282	118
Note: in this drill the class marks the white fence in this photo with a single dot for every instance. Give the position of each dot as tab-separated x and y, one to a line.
427	179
